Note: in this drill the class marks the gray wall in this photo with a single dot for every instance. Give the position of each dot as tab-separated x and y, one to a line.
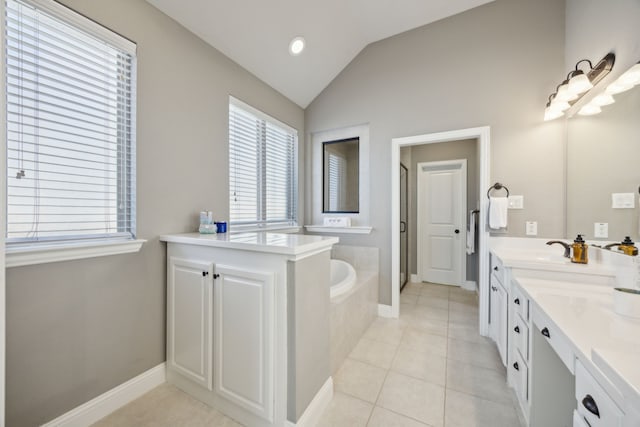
493	65
602	149
466	149
77	329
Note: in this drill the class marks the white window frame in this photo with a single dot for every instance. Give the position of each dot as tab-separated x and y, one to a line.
279	227
21	254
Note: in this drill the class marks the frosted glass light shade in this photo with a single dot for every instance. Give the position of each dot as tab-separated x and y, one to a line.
559	105
550	114
617	87
564	94
589	110
603	99
631	76
579	83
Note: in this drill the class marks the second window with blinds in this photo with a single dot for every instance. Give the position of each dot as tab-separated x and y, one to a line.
263	169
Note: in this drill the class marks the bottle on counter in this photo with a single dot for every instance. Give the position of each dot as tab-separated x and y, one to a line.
580	251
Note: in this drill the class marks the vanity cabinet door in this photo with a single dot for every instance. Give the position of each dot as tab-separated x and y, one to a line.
189	319
244	338
499	308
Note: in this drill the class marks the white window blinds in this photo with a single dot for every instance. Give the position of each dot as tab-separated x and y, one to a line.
262	168
70	126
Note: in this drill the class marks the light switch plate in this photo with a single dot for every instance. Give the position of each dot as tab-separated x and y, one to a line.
532	228
623	200
516	202
601	230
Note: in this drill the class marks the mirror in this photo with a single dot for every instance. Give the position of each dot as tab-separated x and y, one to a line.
341	170
603	158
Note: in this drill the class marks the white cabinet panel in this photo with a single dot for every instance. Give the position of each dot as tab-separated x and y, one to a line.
594	405
244	328
189	319
499	315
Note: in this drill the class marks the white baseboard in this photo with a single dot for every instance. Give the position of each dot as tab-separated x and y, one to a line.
101	406
414	278
385	310
311	416
469	285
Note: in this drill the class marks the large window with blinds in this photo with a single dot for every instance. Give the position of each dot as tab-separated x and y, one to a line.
262	168
70	114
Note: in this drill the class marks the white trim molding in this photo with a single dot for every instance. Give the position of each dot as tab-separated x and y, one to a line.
42	253
470	285
414	278
385	310
483	135
101	406
311	416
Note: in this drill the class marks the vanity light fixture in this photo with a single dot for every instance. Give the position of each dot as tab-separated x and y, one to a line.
296	46
577	84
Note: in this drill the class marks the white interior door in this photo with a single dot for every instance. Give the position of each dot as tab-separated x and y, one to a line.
442	196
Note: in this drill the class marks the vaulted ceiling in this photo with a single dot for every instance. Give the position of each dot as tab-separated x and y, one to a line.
256	33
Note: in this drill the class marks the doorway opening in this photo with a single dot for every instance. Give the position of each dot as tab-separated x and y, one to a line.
481	137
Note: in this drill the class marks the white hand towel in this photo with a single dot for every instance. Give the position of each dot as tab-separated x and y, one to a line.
471	234
498	212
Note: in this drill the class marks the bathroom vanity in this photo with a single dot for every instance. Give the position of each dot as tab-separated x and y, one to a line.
570	358
248	323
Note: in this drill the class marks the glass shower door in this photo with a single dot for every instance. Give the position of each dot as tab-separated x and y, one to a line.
404	211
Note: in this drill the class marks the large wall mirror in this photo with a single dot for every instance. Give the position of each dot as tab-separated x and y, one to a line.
341	176
603	158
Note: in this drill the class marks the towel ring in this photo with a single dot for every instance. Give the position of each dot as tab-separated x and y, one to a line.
497	186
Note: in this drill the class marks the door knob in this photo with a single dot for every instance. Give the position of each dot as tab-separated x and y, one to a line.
457	231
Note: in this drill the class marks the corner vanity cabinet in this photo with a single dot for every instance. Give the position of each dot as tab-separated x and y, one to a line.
231	325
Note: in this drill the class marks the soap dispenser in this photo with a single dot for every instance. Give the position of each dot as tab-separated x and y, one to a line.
580	251
628	247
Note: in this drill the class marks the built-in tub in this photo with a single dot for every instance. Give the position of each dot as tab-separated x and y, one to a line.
343	278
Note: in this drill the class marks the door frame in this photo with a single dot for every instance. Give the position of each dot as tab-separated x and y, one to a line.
406	227
483	136
462	214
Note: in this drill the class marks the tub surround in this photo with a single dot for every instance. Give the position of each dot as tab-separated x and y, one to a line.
353	312
248	323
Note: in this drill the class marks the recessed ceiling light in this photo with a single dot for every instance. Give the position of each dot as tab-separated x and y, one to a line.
296	46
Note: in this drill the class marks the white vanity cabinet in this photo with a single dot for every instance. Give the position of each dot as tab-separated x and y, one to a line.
241	334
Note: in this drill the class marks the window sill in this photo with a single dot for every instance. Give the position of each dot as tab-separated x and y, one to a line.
45	253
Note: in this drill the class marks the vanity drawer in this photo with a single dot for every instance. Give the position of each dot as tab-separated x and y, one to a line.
520	334
521	376
497	269
558	342
520	302
594	404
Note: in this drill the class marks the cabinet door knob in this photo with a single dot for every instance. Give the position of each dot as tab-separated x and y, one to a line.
517	329
457	231
589	403
515	365
205	273
517	301
495	268
215	276
545	332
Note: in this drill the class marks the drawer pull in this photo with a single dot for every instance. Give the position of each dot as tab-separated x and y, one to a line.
591	406
545	332
517	329
586	421
517	301
515	365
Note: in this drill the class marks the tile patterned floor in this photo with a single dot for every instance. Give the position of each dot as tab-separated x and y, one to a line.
430	367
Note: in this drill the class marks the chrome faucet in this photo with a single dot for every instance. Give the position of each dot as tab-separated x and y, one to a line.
567	247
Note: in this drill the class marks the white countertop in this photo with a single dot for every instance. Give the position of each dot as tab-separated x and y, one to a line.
606	342
275	243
